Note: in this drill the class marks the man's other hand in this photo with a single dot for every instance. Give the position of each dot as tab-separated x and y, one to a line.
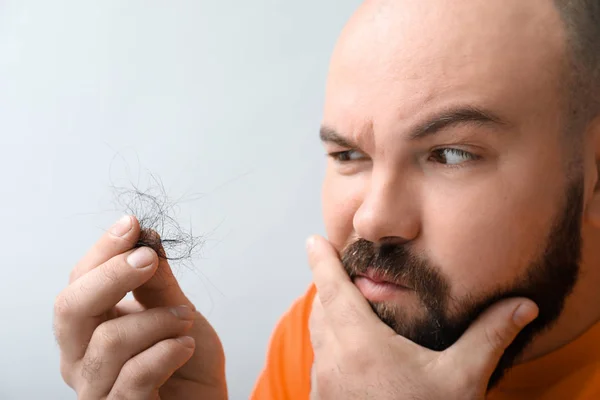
357	356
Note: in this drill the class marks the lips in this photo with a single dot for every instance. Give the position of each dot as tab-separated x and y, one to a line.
380	277
379	288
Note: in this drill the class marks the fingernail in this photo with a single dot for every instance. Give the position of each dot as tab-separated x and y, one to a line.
141	258
187	341
122	226
524	314
183	312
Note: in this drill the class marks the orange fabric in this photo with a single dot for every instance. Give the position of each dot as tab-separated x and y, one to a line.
573	372
286	375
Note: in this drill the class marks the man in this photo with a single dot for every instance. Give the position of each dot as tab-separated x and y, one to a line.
462	207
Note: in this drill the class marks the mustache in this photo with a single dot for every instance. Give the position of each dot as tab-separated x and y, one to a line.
397	263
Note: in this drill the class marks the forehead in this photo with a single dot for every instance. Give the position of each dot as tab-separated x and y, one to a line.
397	60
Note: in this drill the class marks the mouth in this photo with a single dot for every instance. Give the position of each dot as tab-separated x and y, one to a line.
379	287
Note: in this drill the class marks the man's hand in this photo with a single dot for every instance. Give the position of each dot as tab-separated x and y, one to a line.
359	357
154	347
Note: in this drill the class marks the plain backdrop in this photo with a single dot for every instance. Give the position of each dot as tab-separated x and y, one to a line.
221	100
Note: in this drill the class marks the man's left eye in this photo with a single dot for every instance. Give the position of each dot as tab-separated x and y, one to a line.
450	156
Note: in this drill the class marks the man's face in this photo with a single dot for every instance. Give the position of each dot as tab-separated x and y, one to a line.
448	170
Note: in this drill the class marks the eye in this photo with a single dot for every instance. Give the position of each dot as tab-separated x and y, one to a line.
450	156
347	156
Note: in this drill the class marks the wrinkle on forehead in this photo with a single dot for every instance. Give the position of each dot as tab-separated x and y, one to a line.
409	54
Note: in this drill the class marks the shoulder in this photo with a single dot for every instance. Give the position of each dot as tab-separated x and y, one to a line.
286	374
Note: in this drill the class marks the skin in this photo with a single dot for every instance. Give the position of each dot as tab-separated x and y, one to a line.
359	357
462	215
156	346
397	64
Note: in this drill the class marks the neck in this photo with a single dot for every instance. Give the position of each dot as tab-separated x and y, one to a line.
582	307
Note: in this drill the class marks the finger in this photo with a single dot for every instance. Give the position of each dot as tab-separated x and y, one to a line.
207	366
323	343
116	341
144	374
347	310
321	336
81	307
126	307
162	290
491	334
121	237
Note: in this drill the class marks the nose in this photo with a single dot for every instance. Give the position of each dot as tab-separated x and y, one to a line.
389	212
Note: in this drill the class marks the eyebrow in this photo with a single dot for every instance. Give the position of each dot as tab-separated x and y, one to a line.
444	120
329	135
456	116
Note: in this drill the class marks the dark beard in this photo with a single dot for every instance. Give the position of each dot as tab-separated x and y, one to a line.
548	281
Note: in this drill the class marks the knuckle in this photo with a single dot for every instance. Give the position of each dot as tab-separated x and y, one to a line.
66	372
59	334
109	336
136	374
62	305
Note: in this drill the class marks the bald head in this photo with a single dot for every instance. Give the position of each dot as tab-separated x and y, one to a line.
524	42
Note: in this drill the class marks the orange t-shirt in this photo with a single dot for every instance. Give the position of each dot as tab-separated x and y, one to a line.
572	372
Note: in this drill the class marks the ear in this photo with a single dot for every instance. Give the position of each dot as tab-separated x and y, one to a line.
592	173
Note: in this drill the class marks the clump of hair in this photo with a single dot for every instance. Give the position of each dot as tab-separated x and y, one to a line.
156	214
582	23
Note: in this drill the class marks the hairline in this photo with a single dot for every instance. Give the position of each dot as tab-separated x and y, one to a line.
581	80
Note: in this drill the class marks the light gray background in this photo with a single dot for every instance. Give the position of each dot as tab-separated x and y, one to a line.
220	99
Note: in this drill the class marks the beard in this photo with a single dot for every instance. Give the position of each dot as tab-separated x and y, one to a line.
547	281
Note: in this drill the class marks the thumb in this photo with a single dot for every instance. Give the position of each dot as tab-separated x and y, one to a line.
482	345
162	290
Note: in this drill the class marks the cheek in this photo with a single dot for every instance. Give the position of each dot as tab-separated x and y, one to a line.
486	238
341	197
